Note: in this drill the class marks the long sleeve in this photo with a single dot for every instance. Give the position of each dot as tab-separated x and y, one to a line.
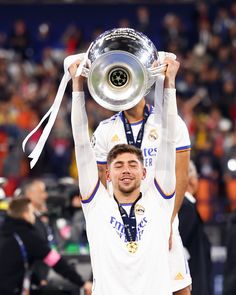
85	158
68	272
165	162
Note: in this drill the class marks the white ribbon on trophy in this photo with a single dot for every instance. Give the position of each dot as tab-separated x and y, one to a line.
53	111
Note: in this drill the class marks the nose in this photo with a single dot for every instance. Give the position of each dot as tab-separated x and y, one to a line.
126	169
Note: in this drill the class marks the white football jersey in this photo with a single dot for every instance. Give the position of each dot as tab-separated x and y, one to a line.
111	132
116	271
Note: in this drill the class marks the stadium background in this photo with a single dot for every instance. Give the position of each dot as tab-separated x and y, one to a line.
202	34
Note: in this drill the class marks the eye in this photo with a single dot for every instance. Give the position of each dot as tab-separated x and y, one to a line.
118	165
133	165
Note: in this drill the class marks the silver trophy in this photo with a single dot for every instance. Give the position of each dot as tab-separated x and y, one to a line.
123	67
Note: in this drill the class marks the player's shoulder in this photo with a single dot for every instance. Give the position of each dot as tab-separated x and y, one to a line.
111	120
180	122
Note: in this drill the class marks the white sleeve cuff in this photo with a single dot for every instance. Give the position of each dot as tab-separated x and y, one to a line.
170	100
78	95
169	91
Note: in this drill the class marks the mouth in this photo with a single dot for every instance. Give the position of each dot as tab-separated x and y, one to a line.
126	180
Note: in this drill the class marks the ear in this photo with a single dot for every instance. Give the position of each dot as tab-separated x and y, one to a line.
144	173
108	178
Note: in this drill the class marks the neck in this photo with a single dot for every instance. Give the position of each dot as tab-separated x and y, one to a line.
126	198
135	114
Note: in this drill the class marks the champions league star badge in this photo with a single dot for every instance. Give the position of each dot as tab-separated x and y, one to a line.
132	247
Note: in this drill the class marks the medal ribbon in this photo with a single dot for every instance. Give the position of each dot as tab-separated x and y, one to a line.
129	132
129	221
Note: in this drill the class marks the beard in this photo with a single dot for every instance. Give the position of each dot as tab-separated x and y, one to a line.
129	188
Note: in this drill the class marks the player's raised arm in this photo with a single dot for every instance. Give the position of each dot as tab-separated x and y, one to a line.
85	158
165	179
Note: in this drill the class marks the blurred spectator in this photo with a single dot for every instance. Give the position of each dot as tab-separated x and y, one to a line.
229	267
222	23
72	39
78	228
204	32
21	246
20	40
70	227
124	23
174	33
43	40
143	21
60	147
195	239
35	191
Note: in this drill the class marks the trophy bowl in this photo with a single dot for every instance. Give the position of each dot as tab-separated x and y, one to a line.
121	69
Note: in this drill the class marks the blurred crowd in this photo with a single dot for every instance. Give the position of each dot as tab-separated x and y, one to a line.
31	68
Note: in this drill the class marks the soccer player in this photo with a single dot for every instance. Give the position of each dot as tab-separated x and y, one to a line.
128	231
137	126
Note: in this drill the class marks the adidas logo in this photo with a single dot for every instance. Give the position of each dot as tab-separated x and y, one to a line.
115	138
179	276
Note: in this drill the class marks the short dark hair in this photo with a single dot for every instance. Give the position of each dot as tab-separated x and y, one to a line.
17	207
124	148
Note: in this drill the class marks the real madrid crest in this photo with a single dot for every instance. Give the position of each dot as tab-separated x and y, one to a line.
152	136
139	210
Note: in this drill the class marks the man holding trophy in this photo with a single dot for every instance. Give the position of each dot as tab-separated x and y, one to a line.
134	250
146	134
128	226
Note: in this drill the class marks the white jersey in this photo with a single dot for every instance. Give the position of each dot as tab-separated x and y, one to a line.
111	132
117	271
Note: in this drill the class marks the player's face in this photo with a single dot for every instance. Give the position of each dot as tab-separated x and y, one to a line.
126	173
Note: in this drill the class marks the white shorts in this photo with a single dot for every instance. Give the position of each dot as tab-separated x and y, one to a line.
179	269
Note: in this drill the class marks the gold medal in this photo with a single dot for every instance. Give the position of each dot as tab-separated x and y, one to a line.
132	246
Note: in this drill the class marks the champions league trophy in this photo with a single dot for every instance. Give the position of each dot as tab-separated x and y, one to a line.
123	67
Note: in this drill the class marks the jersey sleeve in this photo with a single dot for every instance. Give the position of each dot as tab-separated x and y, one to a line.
165	178
99	144
182	136
84	154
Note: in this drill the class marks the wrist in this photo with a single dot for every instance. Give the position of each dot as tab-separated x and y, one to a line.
77	85
78	95
169	83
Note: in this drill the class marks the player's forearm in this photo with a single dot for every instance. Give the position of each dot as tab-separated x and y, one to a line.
182	164
165	172
169	83
85	158
79	120
77	84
